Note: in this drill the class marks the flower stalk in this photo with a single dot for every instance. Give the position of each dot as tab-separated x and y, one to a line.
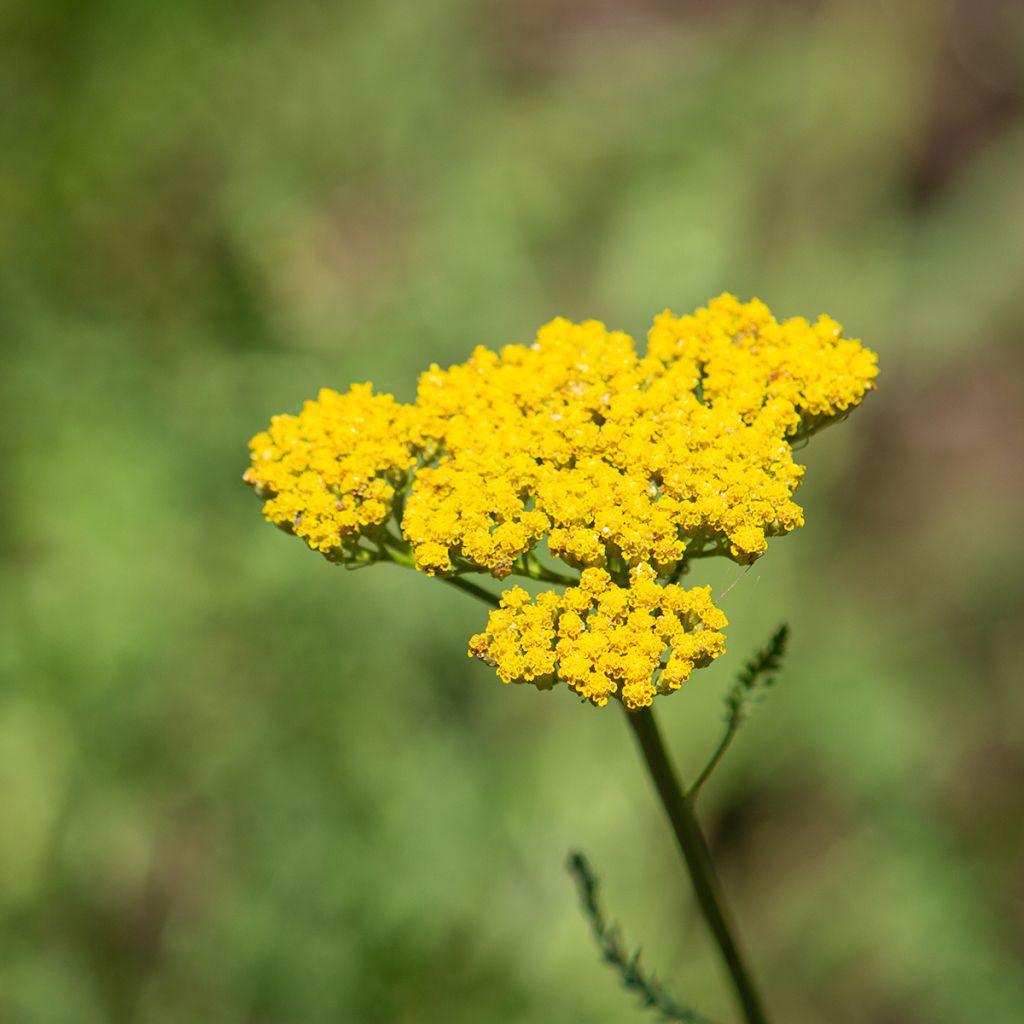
680	813
679	809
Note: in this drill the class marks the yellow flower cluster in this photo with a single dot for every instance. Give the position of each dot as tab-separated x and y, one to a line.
799	374
329	474
621	462
603	640
620	457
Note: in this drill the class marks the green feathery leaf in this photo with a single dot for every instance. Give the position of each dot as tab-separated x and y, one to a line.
613	951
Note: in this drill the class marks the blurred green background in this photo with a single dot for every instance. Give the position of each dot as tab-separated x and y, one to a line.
240	785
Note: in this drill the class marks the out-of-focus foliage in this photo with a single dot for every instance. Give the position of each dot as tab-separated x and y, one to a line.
238	785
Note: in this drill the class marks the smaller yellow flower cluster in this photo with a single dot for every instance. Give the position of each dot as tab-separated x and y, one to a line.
329	474
602	639
799	374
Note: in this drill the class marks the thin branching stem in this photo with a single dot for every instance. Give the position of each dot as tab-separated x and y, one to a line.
397	550
757	676
469	587
723	746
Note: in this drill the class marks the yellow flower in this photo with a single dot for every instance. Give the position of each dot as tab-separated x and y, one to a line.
603	640
614	457
329	474
795	374
625	465
620	457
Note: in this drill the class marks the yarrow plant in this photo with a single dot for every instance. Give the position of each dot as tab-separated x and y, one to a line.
577	462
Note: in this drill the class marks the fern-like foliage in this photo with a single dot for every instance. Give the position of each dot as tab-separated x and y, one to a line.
650	991
757	677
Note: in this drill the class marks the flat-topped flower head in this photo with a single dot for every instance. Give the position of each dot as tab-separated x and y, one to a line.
329	474
616	459
623	458
625	467
603	640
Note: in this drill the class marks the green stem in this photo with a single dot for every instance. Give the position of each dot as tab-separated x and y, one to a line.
688	834
698	860
475	589
723	746
533	568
